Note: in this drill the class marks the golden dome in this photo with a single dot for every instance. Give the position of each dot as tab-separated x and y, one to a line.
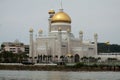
51	11
40	31
81	32
31	30
61	17
95	34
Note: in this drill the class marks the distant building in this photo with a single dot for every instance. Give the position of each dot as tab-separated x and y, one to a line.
26	49
15	47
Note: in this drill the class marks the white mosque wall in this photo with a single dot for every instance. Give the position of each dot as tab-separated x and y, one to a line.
45	46
105	56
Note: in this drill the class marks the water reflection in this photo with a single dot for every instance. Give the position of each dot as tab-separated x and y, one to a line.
56	75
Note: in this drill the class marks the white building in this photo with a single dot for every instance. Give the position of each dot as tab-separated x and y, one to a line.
60	43
15	47
105	56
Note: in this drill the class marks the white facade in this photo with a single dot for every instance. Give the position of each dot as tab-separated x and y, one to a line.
105	56
60	42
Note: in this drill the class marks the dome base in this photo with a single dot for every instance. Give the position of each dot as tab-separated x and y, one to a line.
63	26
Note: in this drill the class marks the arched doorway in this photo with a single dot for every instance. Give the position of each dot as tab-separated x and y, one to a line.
77	57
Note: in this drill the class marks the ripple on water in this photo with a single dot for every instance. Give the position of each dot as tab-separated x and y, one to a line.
57	75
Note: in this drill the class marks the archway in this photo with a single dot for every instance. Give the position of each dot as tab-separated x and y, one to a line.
77	57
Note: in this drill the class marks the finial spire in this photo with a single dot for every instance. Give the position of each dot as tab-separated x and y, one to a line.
61	7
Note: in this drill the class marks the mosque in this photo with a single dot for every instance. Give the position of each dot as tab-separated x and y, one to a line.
60	43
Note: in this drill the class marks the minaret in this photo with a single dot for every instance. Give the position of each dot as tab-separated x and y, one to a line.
31	50
81	36
68	38
51	14
59	41
40	33
95	42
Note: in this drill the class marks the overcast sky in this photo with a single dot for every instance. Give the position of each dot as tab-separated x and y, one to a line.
90	16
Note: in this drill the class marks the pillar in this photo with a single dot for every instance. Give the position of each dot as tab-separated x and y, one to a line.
68	38
40	33
51	14
81	36
59	42
31	49
95	42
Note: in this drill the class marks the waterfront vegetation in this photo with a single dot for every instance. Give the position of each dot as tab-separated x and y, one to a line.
9	57
85	64
76	67
108	48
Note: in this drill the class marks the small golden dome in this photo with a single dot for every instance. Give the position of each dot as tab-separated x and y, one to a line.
40	31
69	55
31	30
95	34
61	17
81	32
51	11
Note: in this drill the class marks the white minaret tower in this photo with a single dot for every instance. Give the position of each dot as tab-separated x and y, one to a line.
95	40
51	14
40	32
31	50
59	41
68	38
81	36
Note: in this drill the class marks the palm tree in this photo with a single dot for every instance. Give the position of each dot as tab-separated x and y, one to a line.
98	59
2	47
56	58
84	59
49	57
44	57
71	58
62	58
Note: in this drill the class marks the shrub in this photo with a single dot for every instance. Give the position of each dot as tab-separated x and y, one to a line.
78	65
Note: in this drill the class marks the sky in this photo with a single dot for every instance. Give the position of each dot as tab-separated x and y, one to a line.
90	16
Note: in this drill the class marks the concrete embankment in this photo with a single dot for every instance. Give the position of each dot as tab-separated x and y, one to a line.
59	68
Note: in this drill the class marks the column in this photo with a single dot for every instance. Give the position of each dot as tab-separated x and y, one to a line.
31	50
51	13
81	36
40	33
68	38
59	42
95	42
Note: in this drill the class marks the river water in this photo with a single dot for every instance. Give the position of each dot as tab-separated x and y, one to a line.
57	75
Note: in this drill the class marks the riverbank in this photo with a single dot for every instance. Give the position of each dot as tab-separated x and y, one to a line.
59	68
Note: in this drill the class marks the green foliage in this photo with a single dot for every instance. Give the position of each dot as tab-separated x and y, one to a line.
9	57
78	65
94	65
2	46
104	48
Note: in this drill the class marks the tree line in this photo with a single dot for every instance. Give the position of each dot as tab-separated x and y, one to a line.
108	48
9	57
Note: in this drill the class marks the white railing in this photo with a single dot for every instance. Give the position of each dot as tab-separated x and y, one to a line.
108	53
11	64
